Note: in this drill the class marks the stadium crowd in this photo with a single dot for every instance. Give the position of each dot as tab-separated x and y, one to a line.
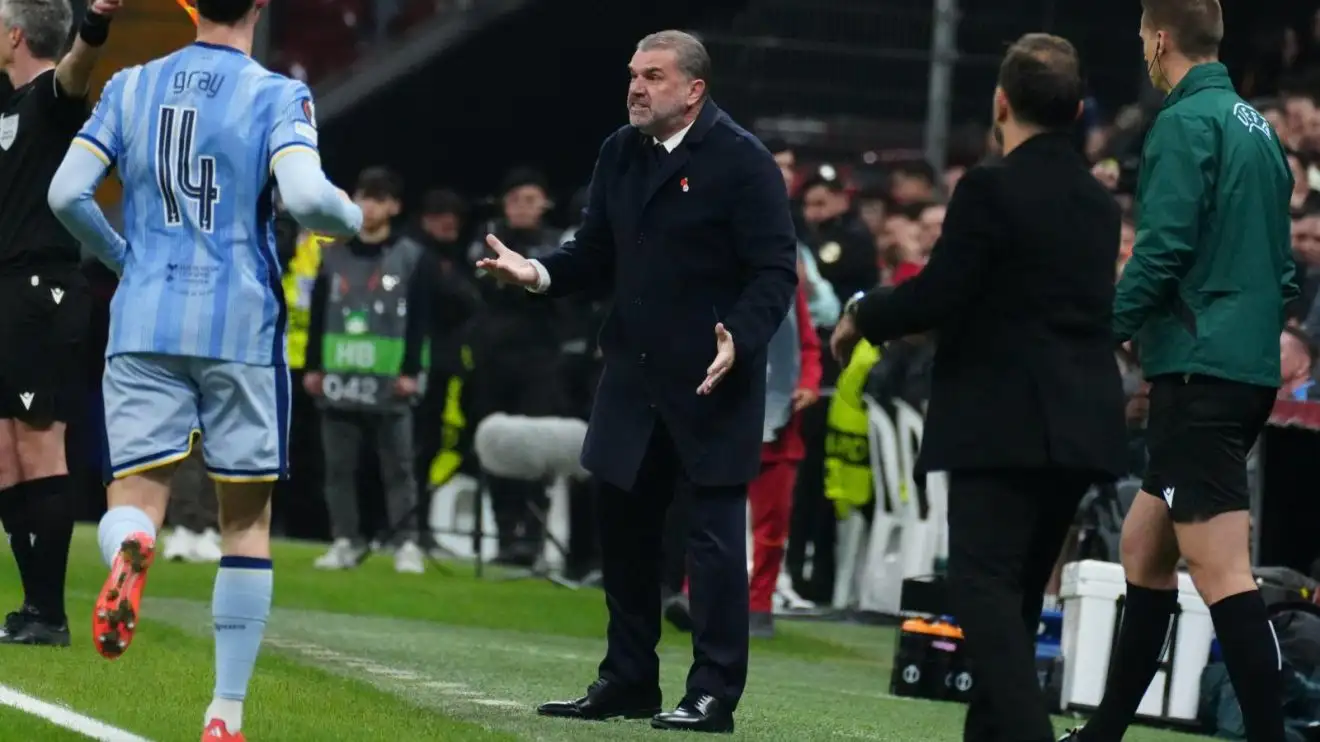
499	349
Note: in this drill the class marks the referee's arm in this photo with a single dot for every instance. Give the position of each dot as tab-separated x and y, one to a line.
1172	198
74	71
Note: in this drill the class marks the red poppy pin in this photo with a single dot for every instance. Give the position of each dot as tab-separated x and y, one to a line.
684	184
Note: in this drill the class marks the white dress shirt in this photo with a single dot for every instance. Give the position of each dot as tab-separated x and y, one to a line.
542	275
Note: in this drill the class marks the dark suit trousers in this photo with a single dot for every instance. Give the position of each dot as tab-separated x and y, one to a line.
631	526
1005	531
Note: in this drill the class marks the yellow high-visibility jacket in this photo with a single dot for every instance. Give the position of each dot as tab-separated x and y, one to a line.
298	282
848	477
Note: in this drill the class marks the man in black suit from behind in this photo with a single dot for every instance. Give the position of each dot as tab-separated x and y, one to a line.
1026	406
688	227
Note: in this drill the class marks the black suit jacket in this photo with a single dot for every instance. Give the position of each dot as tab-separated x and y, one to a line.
705	236
1020	289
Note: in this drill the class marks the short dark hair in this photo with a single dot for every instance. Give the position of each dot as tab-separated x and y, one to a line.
1197	26
777	145
1041	76
833	185
226	12
440	201
380	183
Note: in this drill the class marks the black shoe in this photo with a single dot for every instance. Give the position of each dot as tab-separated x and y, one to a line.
1072	735
17	620
679	612
701	713
33	630
606	700
761	625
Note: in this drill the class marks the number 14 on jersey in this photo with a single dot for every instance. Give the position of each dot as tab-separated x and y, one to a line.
185	178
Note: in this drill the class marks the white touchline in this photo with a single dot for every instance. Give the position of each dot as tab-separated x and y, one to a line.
66	718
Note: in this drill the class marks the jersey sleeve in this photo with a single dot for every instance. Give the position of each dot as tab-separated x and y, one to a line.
294	127
102	133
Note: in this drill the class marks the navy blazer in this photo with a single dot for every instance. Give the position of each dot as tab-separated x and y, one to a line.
704	237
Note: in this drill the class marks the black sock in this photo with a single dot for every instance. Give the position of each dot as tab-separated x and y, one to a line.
1136	659
51	519
14	517
1251	654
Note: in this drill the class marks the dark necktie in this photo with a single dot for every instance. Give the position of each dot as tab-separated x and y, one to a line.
659	153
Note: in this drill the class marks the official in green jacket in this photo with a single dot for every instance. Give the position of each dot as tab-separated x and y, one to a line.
1203	296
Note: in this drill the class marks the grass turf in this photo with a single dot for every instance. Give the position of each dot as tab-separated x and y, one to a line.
371	655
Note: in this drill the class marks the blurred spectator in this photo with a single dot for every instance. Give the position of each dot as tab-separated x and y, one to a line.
440	227
365	365
912	182
931	225
839	240
1127	241
518	345
1306	251
1301	187
786	159
872	206
1297	358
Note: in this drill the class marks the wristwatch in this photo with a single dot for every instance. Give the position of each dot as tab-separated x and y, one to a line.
850	309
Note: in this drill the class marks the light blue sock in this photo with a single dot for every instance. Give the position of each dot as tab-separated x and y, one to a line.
240	605
118	524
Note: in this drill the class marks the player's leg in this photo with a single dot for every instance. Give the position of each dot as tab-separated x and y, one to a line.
245	431
151	422
1149	552
14	519
1212	519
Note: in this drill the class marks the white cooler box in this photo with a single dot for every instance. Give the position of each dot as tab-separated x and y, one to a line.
1092	595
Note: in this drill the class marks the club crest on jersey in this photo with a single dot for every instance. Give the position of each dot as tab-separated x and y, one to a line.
309	110
8	131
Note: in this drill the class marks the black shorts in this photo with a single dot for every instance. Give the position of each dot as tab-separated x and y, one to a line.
1198	434
44	323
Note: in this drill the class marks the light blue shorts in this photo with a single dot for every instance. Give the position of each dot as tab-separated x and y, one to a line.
156	406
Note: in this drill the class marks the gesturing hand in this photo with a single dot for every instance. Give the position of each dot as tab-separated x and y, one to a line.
724	356
508	266
106	8
844	339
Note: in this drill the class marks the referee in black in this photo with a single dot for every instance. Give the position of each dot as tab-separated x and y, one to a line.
44	303
1203	298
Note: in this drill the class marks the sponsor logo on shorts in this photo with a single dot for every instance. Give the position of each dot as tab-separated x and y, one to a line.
26	398
1168	496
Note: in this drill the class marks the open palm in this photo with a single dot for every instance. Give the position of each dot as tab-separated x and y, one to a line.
508	266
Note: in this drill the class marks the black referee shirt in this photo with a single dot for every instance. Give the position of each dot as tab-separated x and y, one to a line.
37	123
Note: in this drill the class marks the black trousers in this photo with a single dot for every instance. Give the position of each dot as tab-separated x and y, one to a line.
1005	531
631	530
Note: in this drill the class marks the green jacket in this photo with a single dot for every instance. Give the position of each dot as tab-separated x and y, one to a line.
1212	267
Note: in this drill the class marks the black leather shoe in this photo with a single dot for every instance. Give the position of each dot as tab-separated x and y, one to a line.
17	620
606	700
34	630
702	713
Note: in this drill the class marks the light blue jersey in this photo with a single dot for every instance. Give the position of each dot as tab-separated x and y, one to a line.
197	327
195	136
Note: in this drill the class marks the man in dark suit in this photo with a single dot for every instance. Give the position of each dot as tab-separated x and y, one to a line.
1026	406
688	226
